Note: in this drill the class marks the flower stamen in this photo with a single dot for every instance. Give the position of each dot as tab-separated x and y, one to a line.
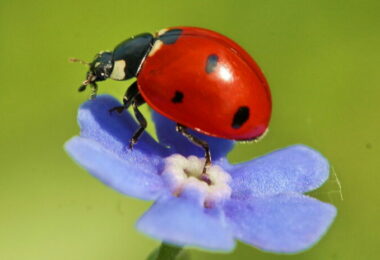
186	175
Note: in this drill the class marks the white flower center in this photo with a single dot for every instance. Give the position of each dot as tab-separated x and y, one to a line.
185	175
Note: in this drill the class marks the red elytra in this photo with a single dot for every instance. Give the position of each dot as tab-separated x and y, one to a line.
207	82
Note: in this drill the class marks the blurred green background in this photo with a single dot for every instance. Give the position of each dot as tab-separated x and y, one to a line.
321	59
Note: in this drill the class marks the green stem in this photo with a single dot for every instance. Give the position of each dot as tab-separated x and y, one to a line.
165	252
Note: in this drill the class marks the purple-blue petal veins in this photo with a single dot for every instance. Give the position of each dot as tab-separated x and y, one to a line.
261	204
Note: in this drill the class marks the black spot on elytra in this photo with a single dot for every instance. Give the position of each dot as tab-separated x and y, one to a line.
212	61
241	116
178	97
171	36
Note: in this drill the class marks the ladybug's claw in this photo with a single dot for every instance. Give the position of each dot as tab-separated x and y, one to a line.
208	161
119	109
132	143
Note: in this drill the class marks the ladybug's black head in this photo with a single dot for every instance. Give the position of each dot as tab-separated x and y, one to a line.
100	69
101	66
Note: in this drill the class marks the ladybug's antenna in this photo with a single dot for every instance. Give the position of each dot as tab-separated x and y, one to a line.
89	81
79	61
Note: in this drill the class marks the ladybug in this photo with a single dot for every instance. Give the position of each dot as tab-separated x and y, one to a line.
196	77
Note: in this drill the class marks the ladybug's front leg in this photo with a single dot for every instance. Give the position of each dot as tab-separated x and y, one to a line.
134	98
140	118
131	94
94	90
195	140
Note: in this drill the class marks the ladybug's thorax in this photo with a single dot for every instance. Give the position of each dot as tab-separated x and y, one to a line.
129	55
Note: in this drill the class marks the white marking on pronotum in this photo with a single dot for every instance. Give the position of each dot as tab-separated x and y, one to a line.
162	31
156	46
158	43
118	72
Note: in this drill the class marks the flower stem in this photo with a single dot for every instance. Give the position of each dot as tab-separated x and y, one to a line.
165	252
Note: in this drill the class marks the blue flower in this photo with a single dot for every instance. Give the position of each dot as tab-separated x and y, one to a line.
259	202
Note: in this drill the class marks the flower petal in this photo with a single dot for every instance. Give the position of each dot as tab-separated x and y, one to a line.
167	135
182	221
285	223
296	168
113	130
134	174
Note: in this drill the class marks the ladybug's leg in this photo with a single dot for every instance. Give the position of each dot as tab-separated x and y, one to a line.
140	118
134	98
131	94
195	140
94	90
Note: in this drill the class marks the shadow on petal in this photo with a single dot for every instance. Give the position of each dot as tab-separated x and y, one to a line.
167	135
